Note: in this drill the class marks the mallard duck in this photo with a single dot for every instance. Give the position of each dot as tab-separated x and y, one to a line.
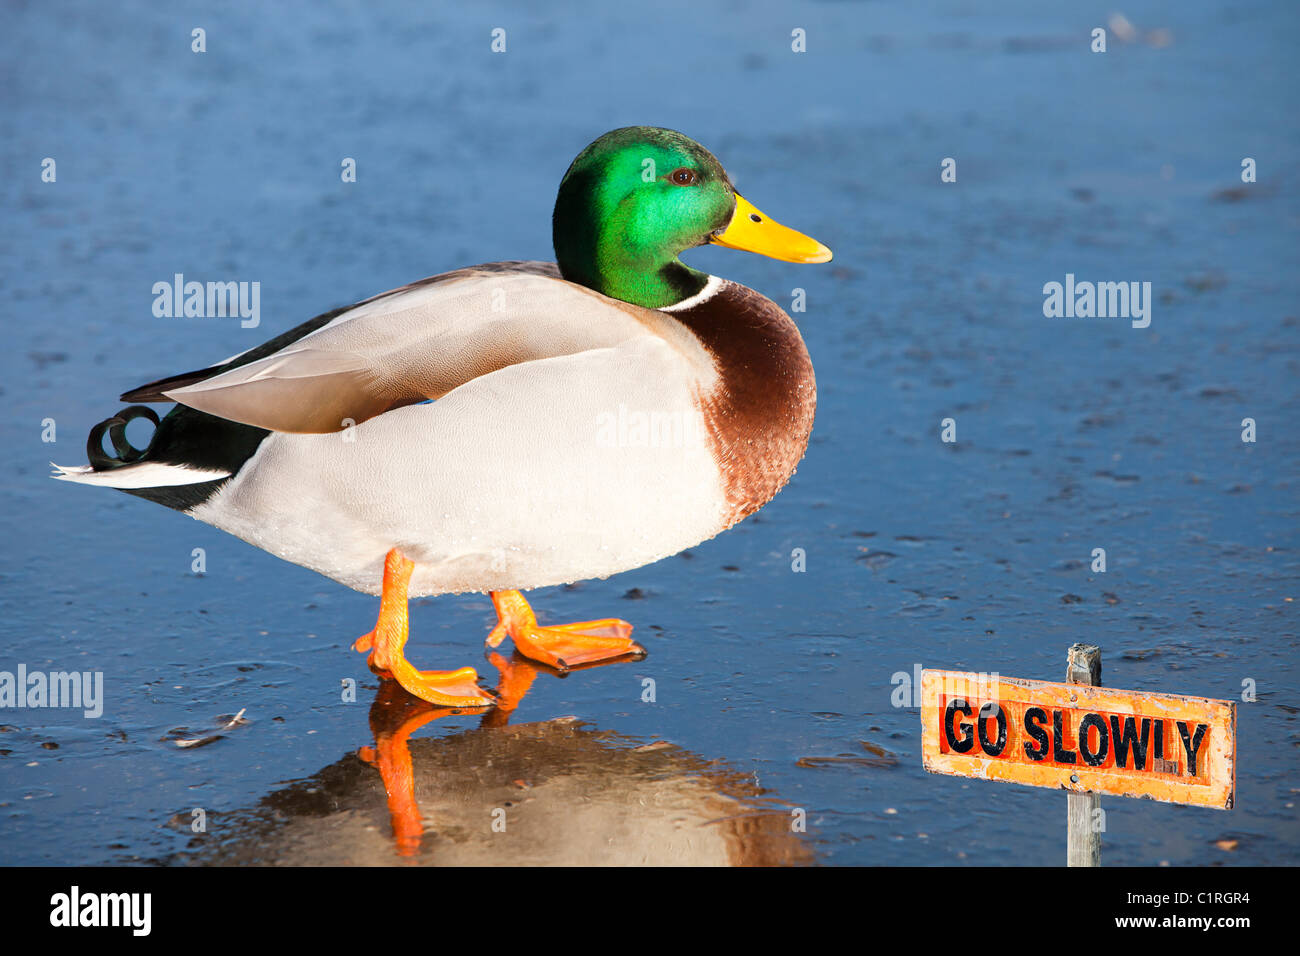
506	426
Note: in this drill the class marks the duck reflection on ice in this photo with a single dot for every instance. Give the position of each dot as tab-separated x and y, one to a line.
553	792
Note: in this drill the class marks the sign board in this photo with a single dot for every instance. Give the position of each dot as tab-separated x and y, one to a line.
1080	738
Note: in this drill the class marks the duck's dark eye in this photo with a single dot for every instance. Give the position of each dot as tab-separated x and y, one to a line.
682	177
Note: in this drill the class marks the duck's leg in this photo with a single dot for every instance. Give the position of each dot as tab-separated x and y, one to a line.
394	716
560	645
458	688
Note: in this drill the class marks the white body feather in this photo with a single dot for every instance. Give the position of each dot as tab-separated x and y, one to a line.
537	472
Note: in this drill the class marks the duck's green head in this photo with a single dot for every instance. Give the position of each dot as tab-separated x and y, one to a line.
638	197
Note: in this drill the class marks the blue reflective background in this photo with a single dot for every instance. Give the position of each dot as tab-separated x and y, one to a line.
1072	434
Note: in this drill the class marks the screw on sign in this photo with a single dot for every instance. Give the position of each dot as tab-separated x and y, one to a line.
1080	738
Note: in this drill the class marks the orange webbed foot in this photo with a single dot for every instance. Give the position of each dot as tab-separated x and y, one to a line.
458	688
561	646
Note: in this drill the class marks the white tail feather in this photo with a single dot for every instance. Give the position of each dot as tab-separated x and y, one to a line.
146	474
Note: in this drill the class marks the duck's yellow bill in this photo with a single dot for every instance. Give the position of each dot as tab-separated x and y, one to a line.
752	231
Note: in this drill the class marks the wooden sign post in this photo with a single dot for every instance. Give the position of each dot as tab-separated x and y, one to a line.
1080	737
1082	836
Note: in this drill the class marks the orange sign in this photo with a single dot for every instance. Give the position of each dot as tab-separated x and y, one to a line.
1081	738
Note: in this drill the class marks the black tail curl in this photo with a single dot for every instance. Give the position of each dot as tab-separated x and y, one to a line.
116	428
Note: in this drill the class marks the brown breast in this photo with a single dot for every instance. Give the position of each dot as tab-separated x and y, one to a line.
761	413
